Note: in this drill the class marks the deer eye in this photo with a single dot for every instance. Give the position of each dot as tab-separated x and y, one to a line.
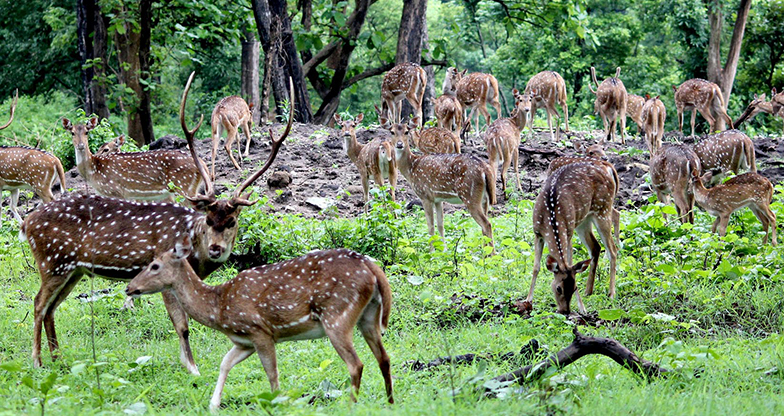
210	222
155	266
231	223
559	290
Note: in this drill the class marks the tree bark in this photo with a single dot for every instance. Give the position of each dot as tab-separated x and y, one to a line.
249	89
145	35
430	87
91	39
410	38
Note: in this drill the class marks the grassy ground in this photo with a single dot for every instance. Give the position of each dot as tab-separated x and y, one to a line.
718	327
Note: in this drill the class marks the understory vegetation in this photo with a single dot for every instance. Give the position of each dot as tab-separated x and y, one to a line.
706	307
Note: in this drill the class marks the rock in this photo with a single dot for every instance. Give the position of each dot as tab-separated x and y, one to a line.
334	142
284	197
320	203
169	142
279	179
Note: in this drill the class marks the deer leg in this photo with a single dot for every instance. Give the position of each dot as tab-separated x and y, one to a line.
477	212
231	135
566	114
604	228
538	248
483	110
762	215
246	128
708	114
550	122
505	162
428	208
342	340
51	285
693	120
14	204
371	331
680	120
265	349
439	207
365	189
715	225
623	126
590	242
235	356
772	222
606	128
51	334
724	221
616	219
392	179
180	320
216	135
516	161
612	121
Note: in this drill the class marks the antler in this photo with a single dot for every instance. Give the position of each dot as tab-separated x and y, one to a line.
189	135
13	109
237	198
593	77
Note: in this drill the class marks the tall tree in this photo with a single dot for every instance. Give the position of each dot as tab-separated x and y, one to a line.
410	38
725	76
91	39
249	88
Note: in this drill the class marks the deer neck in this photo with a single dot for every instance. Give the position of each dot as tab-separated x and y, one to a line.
352	146
518	120
765	106
405	159
200	300
85	162
701	194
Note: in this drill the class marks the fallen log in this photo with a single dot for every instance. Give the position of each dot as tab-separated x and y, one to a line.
528	352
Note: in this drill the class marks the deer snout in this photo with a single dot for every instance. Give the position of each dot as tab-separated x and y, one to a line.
132	292
216	251
80	146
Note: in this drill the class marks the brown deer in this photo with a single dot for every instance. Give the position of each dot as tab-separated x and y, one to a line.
436	140
446	178
376	158
112	146
230	114
573	198
134	175
610	103
80	235
28	168
671	169
449	111
323	293
503	138
548	89
474	92
407	80
776	102
700	95
747	190
758	105
652	118
730	150
634	105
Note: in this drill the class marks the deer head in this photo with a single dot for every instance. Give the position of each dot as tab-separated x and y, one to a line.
565	282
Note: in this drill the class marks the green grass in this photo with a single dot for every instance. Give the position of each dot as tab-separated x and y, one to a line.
719	329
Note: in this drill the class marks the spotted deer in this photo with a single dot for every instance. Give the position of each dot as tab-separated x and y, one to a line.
448	111
653	116
610	103
548	89
405	81
112	146
502	138
634	105
758	105
575	197
28	168
435	140
323	293
671	169
730	150
446	178
776	101
133	175
81	235
747	190
229	115
474	92
375	159
700	95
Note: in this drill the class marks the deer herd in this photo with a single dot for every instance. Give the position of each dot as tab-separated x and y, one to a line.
132	230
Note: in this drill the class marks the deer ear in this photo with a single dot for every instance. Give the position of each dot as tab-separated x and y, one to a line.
773	91
92	123
121	140
360	117
551	264
582	266
182	248
67	124
336	117
465	71
515	92
647	96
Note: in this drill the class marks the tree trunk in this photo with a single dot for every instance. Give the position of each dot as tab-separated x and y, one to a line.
249	89
101	60
430	88
410	38
145	35
91	39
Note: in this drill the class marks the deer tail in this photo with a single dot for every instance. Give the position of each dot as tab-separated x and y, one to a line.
61	174
384	292
489	176
751	157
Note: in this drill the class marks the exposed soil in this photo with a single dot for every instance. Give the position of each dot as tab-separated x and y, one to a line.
317	166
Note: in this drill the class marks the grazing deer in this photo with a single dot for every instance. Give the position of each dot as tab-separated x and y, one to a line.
111	146
474	92
573	198
671	169
407	80
548	89
747	190
230	114
653	115
133	175
758	105
634	105
375	158
113	238
446	178
610	103
323	293
503	138
730	150
436	140
700	95
449	111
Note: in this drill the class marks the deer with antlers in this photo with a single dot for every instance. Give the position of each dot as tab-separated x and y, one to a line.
448	110
474	92
634	105
116	239
449	178
758	105
730	150
229	115
747	190
375	158
547	89
652	118
700	95
671	169
435	140
610	103
323	293
573	198
405	81
503	138
28	168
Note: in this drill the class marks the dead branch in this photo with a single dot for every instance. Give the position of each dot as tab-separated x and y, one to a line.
528	352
